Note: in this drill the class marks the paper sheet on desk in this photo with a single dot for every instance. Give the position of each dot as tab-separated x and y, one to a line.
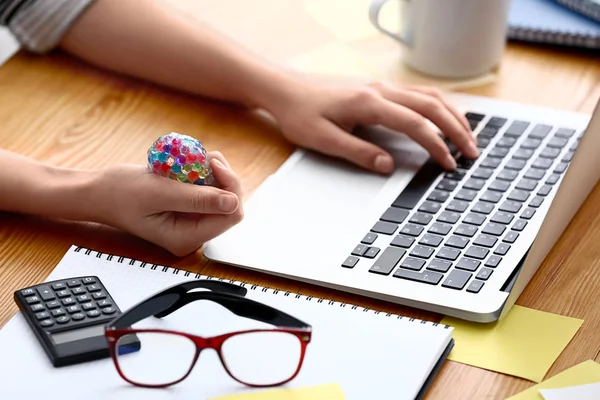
525	343
8	45
591	391
320	392
586	372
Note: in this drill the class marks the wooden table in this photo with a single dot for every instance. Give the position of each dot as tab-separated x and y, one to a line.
64	112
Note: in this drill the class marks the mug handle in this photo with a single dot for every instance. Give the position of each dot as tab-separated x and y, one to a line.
374	10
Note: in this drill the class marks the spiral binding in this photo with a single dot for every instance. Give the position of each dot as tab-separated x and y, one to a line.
176	271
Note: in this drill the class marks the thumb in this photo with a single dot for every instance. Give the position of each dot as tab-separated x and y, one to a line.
188	198
334	141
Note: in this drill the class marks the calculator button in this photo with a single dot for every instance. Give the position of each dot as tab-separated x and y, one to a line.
93	313
58	312
93	288
78	290
62	319
32	299
27	292
73	283
104	303
68	300
88	280
53	304
46	293
73	309
98	295
83	298
42	315
58	286
78	316
47	323
37	307
108	310
88	306
63	293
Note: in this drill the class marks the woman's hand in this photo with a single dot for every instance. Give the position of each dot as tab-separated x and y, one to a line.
177	216
321	119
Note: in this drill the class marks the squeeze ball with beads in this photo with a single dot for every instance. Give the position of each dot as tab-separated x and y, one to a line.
181	158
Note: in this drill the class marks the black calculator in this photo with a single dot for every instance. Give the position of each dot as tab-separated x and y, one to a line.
68	318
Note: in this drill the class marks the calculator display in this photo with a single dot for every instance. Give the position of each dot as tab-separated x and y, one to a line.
78	334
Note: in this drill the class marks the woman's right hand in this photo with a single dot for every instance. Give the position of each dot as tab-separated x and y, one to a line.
179	217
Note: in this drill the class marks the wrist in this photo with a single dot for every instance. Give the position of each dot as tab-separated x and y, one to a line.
274	90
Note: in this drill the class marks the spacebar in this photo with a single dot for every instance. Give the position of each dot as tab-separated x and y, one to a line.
419	184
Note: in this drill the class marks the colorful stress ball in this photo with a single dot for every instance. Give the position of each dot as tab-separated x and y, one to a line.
181	158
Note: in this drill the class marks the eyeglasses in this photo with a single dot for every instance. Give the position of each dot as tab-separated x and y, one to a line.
157	358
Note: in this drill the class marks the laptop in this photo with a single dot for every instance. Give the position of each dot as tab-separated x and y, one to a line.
463	243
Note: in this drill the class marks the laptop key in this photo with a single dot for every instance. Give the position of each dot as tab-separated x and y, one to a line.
552	179
493	261
518	195
457	279
448	253
560	168
502	217
385	228
455	175
477	252
467	264
485	240
430	207
564	133
540	131
484	274
474	219
536	201
474	184
432	278
458	242
535	173
519	225
498	122
447	185
502	249
510	237
475	286
557	142
544	190
402	241
466	195
457	206
372	252
413	264
531	143
542	163
439	196
499	186
393	214
466	230
483	208
420	183
448	217
387	261
431	240
491	162
526	184
482	173
491	196
528	213
483	142
350	262
568	156
498	152
515	164
439	265
510	206
439	228
359	250
506	141
412	230
517	128
523	154
507	175
464	163
422	251
474	116
421	218
550	152
494	229
369	238
488	132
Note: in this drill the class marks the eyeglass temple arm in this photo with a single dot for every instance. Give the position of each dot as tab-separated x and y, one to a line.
163	301
240	306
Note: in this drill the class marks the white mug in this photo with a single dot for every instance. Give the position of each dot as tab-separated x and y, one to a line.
450	38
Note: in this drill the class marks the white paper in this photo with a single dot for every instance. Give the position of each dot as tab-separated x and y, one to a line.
590	391
8	45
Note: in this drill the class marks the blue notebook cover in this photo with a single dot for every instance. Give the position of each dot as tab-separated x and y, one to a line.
548	21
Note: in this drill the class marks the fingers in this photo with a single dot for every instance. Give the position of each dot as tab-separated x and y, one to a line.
434	109
220	157
225	176
437	94
332	140
188	198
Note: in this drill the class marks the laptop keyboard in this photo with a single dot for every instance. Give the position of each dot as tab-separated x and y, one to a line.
453	228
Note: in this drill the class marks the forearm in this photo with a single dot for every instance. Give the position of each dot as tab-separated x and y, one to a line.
149	40
30	187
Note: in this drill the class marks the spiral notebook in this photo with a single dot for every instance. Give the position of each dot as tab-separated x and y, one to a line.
553	22
369	354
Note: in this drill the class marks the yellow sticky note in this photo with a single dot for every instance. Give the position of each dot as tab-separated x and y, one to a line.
525	343
331	59
581	374
331	391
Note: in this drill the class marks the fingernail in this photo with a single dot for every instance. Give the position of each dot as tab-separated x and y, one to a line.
227	203
383	163
219	163
450	162
473	149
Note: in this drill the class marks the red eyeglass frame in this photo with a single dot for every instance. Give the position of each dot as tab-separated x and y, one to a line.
203	343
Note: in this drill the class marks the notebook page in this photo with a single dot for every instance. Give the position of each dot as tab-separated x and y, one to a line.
369	355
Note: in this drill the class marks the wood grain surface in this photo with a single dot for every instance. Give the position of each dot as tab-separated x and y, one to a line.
64	112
